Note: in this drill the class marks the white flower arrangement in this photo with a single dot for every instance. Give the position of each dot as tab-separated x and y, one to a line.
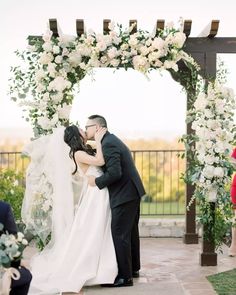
11	248
214	127
57	64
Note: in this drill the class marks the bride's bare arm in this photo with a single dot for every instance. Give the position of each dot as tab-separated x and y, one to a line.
97	160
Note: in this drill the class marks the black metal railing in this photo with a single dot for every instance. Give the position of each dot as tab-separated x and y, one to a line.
160	171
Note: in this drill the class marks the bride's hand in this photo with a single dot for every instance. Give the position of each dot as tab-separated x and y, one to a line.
100	133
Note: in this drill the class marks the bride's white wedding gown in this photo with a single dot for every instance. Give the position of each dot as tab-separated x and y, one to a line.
85	255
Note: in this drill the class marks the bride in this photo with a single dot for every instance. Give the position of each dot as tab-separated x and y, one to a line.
81	250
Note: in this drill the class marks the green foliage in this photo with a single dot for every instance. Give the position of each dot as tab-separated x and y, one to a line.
12	190
215	218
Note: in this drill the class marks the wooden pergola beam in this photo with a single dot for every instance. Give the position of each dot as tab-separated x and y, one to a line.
53	27
133	22
214	28
187	27
160	24
210	30
79	27
106	23
204	44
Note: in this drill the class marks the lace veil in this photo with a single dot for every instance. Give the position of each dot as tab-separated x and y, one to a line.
48	205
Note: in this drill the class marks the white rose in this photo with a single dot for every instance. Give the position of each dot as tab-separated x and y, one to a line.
213	124
140	63
208	171
158	43
133	41
74	58
56	49
176	39
47	46
24	242
64	111
208	113
103	59
219	172
45	58
212	194
58	59
101	46
94	63
115	62
52	70
144	50
57	97
84	50
209	159
112	52
39	75
124	47
59	84
116	40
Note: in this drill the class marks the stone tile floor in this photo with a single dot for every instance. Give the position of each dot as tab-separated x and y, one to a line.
168	267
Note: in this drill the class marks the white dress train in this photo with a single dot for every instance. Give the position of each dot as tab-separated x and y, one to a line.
85	255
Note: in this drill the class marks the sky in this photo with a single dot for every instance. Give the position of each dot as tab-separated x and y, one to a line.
134	106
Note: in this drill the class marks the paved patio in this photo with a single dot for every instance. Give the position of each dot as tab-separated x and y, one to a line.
168	267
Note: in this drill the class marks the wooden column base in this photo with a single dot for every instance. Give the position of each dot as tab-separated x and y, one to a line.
208	259
190	238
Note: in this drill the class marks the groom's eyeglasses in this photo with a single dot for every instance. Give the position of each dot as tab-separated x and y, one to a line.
86	127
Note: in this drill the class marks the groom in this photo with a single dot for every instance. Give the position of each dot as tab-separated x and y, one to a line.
125	191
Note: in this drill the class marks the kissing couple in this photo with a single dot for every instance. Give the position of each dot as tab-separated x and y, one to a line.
95	209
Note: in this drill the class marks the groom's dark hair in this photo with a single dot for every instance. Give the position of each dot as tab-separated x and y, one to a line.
100	120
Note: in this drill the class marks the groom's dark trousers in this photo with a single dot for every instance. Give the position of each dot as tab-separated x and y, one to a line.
21	286
125	191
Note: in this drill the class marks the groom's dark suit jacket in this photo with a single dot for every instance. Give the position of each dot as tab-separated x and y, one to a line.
120	174
21	286
7	218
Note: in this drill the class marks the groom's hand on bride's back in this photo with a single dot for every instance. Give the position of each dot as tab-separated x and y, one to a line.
91	180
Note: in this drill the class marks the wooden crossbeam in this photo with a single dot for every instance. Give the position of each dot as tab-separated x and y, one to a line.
79	27
105	26
131	22
187	27
53	26
210	30
160	24
214	28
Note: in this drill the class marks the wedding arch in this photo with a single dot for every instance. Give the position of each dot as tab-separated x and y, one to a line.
55	63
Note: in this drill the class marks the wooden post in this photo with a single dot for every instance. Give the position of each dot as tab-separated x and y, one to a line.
208	257
190	236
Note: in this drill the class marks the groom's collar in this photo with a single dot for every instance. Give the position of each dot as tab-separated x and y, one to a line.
107	133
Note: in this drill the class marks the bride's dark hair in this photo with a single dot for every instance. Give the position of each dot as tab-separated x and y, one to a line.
75	141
